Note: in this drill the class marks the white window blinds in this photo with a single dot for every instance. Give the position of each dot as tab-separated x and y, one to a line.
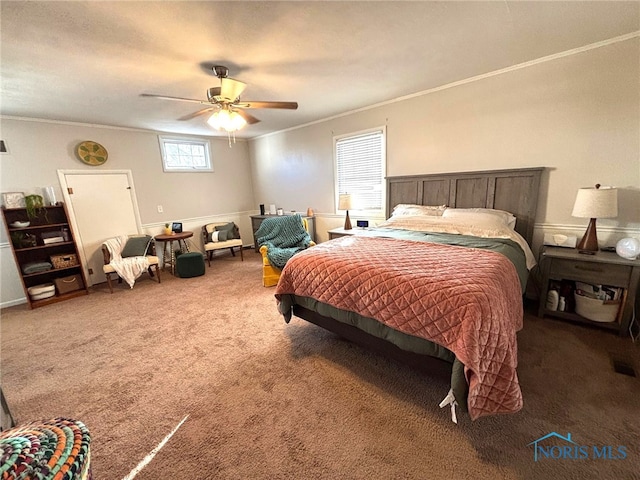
360	169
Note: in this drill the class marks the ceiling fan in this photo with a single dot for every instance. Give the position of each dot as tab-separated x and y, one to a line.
224	101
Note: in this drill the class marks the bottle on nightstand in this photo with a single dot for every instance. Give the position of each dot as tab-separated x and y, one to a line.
553	298
562	305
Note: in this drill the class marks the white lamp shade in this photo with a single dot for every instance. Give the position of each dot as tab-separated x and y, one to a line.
594	202
344	201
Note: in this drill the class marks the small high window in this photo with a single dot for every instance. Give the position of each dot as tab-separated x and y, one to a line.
185	154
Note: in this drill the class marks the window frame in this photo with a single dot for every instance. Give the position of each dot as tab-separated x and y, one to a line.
357	211
204	142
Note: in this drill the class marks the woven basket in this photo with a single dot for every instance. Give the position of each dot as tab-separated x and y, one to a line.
64	261
596	310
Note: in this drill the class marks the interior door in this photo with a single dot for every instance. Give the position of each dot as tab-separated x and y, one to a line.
101	206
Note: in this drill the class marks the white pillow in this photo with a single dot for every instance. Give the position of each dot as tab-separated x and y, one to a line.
506	218
214	236
476	219
406	209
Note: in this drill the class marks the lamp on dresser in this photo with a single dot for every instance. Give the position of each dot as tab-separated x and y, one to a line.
592	203
344	203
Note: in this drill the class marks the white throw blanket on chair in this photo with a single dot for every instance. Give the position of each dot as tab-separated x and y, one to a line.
128	268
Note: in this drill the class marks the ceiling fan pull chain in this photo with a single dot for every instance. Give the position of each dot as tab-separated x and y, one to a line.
229	133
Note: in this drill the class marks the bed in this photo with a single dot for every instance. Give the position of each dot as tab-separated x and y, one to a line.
439	285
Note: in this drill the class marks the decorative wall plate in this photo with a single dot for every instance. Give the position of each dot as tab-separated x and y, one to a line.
92	153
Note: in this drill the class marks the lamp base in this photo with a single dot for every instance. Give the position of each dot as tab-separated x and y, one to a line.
347	222
589	243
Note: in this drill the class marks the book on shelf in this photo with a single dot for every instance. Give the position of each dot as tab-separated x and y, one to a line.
49	240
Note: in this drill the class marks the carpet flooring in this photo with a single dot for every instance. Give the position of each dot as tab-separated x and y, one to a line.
264	399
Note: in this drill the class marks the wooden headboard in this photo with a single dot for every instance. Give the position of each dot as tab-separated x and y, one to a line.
515	191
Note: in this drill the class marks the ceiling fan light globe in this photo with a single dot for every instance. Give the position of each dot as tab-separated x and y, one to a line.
224	116
229	121
214	121
237	122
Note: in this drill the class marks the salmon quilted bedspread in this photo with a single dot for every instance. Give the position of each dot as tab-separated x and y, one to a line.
465	299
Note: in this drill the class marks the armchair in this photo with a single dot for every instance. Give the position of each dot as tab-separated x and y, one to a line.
129	257
231	239
280	238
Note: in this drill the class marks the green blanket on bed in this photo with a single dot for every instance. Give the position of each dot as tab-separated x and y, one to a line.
284	236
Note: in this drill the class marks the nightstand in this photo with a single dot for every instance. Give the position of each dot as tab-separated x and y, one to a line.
603	268
341	232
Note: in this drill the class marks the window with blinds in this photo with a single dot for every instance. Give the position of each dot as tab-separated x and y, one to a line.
360	169
185	155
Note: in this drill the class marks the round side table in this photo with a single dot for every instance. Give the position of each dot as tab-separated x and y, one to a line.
169	258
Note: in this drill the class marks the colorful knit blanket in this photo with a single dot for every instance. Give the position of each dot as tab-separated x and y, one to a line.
284	236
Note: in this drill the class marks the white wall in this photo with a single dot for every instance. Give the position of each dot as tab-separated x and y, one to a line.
37	149
577	115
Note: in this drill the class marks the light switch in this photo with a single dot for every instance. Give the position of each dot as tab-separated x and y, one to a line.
160	209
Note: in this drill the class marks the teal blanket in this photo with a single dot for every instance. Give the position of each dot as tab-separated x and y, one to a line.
284	236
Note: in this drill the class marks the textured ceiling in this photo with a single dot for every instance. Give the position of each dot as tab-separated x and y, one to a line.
90	61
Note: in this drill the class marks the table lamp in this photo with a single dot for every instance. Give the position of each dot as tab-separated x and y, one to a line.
344	203
594	203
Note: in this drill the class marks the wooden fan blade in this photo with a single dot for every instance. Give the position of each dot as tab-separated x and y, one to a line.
166	97
256	104
231	89
250	119
197	114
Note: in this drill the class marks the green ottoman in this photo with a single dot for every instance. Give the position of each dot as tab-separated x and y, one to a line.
190	264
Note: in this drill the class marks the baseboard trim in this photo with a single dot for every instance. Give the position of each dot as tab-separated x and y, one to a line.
13	303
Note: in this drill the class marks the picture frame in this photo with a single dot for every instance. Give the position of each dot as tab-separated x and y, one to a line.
176	227
13	200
